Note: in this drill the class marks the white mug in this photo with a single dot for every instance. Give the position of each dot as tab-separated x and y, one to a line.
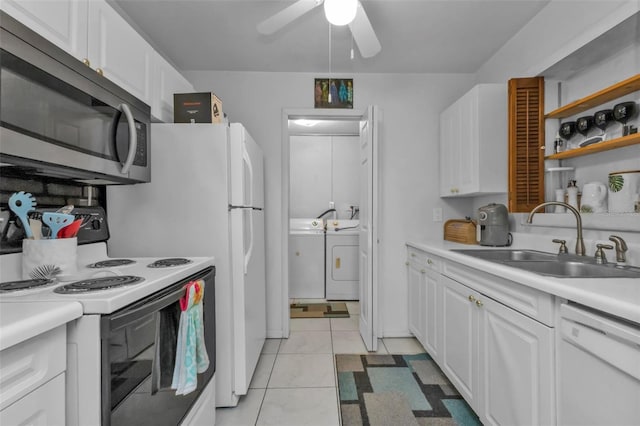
594	198
623	190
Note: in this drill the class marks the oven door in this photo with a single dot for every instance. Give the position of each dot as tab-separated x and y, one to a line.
138	354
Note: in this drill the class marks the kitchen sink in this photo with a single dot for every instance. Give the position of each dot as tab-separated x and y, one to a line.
570	269
549	264
508	255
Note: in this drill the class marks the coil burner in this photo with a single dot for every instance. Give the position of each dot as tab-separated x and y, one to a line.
23	285
170	262
111	263
96	284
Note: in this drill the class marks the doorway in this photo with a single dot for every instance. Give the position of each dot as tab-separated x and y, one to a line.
330	142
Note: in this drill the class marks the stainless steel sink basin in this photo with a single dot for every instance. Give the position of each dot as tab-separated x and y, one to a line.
500	255
570	269
549	264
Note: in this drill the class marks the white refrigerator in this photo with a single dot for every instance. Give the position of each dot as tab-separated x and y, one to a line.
205	198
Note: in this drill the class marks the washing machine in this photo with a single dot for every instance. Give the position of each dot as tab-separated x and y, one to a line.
306	259
342	276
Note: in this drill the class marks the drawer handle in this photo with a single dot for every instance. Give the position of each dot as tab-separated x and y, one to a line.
478	303
337	263
413	255
430	262
422	271
471	298
406	263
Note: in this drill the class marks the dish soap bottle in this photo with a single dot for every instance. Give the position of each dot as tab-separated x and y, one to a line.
558	144
572	194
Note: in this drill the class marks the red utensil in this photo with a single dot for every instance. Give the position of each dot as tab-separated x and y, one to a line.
70	230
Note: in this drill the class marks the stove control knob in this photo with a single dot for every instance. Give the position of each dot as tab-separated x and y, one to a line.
95	224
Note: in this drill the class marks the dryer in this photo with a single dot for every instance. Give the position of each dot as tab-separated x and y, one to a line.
342	245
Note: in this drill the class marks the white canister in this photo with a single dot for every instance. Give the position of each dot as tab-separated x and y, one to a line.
594	198
560	198
40	257
623	191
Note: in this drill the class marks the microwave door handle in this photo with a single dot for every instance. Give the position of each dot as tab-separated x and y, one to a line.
133	139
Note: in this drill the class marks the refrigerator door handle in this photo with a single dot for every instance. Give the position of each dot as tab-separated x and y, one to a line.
247	160
249	252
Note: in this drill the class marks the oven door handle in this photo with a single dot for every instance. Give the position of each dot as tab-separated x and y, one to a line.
125	318
152	304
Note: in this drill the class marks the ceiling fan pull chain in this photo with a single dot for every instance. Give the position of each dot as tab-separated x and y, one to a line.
329	97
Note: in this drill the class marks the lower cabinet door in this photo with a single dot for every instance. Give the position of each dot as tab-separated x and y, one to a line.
516	367
432	314
460	338
416	299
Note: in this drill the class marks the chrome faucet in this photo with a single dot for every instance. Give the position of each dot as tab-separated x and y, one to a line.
621	248
579	241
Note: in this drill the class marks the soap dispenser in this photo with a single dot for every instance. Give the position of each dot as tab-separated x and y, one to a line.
572	195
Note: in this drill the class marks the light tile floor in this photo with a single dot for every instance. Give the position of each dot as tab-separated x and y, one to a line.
295	380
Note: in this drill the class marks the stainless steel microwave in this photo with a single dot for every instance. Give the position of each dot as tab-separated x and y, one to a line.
60	118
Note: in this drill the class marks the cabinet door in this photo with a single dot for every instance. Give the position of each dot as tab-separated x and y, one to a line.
432	314
166	81
467	179
460	339
118	51
449	150
43	406
62	22
516	364
416	301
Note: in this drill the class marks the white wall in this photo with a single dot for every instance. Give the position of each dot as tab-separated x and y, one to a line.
411	105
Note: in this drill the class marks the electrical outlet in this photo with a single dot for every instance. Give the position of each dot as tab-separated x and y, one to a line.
437	214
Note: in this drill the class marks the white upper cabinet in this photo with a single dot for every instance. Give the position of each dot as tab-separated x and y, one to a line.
62	22
166	81
473	143
94	33
118	52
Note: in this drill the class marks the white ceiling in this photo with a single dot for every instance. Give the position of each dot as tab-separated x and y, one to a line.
417	36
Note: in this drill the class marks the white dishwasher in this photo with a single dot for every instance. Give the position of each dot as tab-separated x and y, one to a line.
598	368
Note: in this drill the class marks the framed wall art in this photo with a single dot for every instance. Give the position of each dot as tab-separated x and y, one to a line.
333	93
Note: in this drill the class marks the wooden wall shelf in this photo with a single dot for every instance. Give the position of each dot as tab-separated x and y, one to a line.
610	93
597	147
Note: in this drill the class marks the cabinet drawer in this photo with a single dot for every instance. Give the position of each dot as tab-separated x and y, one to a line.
43	406
28	365
526	300
423	260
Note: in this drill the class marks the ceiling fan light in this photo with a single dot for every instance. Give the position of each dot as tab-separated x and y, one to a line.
340	12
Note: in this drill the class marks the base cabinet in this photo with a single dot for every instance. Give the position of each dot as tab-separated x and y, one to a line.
499	360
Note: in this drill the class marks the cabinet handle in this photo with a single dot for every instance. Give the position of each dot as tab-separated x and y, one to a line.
422	271
478	303
86	62
471	298
406	263
337	263
413	255
100	72
429	261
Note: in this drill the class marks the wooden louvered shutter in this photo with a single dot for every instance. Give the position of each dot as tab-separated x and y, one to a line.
526	137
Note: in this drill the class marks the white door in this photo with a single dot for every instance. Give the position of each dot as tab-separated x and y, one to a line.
368	228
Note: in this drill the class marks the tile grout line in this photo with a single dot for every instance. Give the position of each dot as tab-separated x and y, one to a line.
264	395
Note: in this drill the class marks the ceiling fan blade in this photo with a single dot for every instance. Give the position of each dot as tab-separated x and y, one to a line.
363	34
287	15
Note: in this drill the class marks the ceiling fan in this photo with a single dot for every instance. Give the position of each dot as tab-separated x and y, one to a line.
360	27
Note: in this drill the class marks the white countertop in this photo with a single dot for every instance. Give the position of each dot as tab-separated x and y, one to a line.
22	321
617	296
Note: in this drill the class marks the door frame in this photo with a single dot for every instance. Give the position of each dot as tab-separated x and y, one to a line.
290	114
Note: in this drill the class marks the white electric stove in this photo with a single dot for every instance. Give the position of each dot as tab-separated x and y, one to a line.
117	357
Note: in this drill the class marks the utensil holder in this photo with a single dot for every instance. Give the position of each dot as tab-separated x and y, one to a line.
41	257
